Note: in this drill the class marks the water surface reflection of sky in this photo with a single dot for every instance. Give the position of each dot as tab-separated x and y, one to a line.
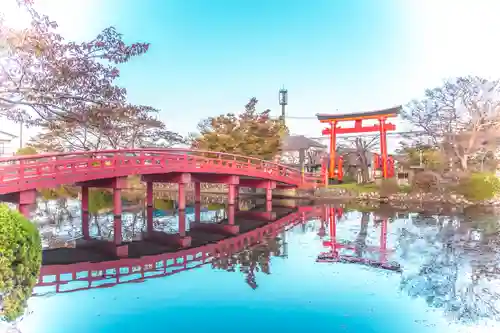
299	294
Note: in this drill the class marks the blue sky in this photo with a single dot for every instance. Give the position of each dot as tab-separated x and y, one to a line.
210	56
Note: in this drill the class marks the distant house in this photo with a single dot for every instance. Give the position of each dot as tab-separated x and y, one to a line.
301	152
7	146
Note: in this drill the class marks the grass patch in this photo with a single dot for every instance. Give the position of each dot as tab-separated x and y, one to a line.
366	188
405	189
357	188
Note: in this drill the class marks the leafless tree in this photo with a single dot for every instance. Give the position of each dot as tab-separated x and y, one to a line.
462	117
362	150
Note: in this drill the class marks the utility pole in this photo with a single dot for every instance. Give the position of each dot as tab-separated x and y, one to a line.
283	100
21	134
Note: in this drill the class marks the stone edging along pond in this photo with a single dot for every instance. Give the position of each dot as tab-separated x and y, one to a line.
435	198
344	194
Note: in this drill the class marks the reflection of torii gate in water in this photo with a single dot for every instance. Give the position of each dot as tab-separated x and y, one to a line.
359	247
385	163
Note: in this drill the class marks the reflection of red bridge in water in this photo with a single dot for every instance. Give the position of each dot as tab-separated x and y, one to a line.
89	275
338	249
21	176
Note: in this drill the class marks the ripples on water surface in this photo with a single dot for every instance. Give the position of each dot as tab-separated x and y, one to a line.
449	280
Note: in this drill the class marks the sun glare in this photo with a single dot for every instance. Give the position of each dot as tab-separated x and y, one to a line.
456	36
76	21
75	18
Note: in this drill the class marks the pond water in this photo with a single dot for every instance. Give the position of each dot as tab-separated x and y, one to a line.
351	272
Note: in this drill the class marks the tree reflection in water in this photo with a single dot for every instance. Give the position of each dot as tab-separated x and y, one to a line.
460	273
58	216
251	260
360	242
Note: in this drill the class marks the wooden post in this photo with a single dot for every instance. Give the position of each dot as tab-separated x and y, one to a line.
197	192
230	214
182	222
85	213
269	194
333	129
383	147
181	201
117	212
197	212
231	197
149	206
25	200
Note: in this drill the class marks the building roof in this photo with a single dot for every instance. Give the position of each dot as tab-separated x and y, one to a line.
298	142
390	112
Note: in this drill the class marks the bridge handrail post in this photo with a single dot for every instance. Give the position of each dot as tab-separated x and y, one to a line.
20	173
118	159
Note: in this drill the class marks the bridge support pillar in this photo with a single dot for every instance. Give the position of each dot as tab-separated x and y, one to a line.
149	206
117	212
269	194
115	247
269	205
85	213
180	239
182	223
231	198
24	200
197	211
230	215
224	228
237	198
181	201
183	240
197	192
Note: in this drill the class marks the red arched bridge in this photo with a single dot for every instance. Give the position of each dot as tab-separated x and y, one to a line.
21	176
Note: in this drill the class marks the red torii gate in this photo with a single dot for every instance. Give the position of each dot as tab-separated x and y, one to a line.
382	127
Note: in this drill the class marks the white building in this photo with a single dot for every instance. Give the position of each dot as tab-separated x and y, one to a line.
7	145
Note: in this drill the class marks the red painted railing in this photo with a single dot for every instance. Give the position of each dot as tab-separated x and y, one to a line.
21	173
87	275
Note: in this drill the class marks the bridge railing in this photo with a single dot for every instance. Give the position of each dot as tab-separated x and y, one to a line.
17	168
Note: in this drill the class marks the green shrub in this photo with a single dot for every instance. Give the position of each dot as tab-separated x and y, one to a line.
26	151
99	200
162	204
427	181
62	191
479	186
20	260
215	206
